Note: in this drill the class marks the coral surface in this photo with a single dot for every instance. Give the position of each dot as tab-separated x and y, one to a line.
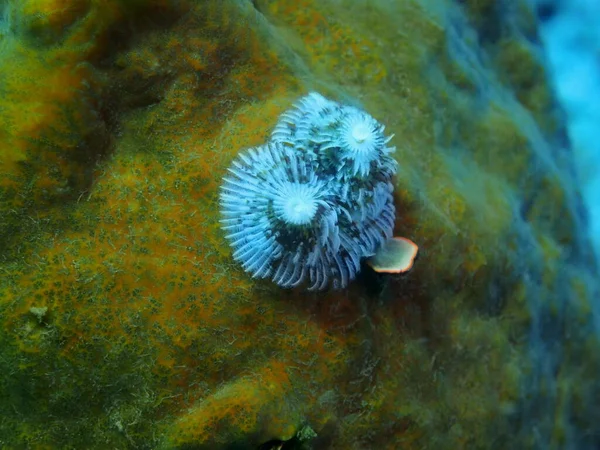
125	321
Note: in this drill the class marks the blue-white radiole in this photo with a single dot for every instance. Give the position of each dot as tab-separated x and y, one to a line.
309	205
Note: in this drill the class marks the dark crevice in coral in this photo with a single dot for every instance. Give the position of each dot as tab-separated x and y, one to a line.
134	26
101	101
486	18
546	10
256	6
127	94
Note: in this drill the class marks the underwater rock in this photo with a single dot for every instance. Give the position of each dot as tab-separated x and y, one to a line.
120	121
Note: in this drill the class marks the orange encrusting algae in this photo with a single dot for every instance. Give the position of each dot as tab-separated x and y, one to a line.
333	47
144	269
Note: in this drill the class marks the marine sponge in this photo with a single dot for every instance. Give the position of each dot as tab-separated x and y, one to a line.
313	202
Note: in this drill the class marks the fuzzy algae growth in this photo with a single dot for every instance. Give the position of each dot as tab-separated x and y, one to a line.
126	323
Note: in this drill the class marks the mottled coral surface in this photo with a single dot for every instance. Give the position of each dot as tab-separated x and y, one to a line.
125	322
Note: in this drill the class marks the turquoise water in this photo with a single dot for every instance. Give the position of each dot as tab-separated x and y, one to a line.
570	32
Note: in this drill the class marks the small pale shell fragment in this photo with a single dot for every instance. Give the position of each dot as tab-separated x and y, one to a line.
396	255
